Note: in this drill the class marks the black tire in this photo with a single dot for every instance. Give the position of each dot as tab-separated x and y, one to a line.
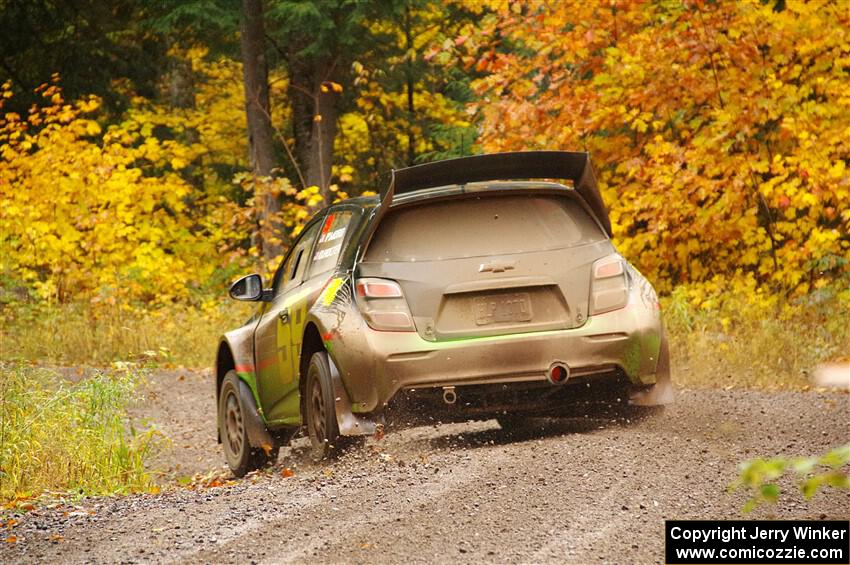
319	412
240	456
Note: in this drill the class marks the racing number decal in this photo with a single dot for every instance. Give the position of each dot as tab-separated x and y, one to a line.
289	337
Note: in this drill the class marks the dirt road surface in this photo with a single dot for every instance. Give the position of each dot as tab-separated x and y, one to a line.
589	490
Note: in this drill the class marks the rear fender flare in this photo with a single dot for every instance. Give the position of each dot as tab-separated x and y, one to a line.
258	434
240	342
662	392
327	315
350	424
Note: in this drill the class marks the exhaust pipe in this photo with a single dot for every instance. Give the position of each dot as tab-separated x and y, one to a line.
558	373
449	395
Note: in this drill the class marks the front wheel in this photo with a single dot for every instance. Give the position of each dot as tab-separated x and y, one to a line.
240	456
320	412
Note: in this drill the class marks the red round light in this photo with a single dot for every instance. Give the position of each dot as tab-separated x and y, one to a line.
558	374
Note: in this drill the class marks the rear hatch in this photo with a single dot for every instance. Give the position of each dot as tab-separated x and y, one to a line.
489	263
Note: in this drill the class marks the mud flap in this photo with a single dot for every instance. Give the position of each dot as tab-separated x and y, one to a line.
661	392
350	424
258	435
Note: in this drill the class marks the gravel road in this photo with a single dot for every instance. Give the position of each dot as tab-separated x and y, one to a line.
591	490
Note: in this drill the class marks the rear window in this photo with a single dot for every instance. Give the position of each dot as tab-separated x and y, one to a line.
482	225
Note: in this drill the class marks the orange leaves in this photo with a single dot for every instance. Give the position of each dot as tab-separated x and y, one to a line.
212	479
719	130
21	503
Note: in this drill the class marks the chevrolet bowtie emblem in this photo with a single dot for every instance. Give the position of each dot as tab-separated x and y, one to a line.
496	267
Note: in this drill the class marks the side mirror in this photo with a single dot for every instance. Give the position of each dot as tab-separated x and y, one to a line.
249	288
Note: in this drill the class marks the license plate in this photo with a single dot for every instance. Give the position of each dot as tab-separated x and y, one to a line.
500	308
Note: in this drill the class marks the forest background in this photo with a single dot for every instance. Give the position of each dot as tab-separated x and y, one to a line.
151	152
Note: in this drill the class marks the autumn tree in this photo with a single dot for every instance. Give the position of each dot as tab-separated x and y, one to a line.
719	128
102	214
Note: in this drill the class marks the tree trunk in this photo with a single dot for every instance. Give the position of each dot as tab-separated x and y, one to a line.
301	99
258	113
411	108
314	119
322	141
181	83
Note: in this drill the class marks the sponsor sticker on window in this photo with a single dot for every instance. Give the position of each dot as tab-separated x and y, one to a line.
330	242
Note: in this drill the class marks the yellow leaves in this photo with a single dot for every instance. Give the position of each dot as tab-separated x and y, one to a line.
346	173
150	149
88	105
91	214
311	196
809	199
330	86
837	170
81	127
639	125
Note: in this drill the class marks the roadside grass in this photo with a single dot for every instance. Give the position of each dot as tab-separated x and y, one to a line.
79	334
69	438
743	340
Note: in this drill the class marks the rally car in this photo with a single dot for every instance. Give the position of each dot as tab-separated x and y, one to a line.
466	289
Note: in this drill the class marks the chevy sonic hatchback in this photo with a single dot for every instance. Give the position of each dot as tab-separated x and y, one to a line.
465	291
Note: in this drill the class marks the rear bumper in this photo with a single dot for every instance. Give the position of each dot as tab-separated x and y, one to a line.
376	365
577	397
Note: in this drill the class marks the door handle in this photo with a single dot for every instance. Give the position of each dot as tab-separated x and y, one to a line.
284	315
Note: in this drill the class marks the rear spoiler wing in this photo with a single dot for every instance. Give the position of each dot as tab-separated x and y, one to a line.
569	165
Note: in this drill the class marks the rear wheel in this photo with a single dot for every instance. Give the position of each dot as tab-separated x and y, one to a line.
240	456
322	426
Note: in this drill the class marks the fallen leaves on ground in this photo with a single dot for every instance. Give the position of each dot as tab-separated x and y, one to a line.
21	502
212	479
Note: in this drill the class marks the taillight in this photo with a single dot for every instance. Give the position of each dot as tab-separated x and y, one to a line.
383	305
378	288
610	287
